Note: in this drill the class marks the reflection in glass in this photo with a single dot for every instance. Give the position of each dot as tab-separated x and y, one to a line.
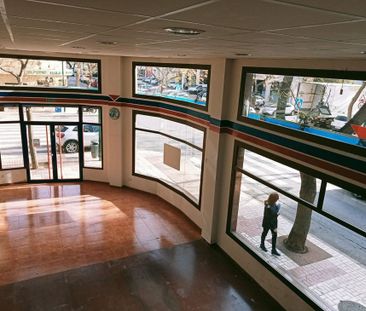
182	84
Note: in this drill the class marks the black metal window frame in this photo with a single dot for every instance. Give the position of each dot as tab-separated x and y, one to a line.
53	89
318	208
135	113
20	131
172	65
334	74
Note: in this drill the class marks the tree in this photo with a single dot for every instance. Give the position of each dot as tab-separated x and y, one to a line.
9	65
300	229
76	68
32	149
285	91
10	68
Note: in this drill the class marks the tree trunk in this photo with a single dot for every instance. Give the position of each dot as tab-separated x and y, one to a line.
297	237
32	149
285	90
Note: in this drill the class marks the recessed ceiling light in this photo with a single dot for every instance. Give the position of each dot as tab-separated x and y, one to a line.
242	54
363	52
108	42
183	31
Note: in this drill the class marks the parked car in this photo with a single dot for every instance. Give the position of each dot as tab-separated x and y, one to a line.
270	110
339	121
197	88
67	137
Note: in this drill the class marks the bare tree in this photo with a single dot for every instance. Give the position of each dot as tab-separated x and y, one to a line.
11	68
285	93
300	229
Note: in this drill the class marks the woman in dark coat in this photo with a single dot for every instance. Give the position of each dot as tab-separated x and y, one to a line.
271	212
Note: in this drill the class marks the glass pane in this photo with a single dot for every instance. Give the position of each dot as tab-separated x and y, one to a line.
93	149
282	176
39	152
9	113
51	113
11	151
91	114
345	205
333	264
183	84
67	143
176	129
43	73
317	105
81	75
149	161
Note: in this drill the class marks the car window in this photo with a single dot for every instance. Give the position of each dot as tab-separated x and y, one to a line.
341	118
75	129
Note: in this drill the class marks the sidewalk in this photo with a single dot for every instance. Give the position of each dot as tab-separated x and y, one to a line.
325	274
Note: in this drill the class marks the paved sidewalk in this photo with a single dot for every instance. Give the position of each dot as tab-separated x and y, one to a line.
328	281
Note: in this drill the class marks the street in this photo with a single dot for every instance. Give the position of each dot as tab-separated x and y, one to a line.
338	202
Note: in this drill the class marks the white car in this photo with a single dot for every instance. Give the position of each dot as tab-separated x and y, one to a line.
270	110
67	137
338	122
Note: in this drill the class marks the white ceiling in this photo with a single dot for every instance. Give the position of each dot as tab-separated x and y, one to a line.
261	28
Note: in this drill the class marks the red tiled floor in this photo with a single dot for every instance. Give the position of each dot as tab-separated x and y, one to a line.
49	228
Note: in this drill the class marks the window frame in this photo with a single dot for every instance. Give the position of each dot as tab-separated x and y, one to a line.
317	174
336	74
19	122
100	124
172	65
53	89
203	149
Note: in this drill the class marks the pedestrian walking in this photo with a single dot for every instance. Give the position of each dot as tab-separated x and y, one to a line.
271	212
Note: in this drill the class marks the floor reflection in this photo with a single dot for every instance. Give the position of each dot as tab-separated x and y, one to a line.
49	228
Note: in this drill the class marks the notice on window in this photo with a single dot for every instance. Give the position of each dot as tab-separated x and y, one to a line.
172	156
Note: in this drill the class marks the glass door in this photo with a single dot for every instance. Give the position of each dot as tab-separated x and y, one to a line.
40	152
53	152
67	151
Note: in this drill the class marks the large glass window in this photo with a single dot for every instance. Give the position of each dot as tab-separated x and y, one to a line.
11	152
329	104
170	152
92	137
321	237
58	74
173	82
